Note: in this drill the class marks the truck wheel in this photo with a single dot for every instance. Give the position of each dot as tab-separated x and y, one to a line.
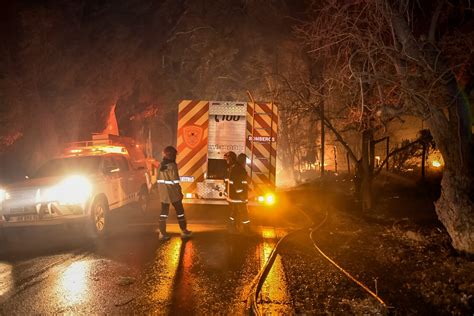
98	225
143	200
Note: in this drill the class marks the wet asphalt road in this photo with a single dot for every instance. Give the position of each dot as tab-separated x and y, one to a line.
54	270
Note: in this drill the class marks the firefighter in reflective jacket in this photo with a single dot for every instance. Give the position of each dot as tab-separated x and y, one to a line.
237	190
170	193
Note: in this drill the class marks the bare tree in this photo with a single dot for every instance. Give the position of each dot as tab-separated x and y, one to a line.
391	64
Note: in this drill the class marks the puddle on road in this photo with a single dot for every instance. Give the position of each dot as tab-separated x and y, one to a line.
274	295
169	277
212	274
167	260
74	283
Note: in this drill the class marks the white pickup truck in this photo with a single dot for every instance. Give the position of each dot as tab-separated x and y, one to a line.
86	184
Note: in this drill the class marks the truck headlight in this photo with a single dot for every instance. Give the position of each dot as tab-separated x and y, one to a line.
73	190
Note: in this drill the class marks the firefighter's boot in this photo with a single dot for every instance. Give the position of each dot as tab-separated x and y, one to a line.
185	234
164	234
231	226
247	229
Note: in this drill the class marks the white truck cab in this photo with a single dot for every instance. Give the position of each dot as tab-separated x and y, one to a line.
87	183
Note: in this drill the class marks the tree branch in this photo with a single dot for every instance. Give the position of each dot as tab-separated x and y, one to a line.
418	141
339	138
434	21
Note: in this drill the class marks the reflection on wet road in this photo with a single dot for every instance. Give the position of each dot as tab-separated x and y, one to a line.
134	272
210	273
167	264
274	297
73	283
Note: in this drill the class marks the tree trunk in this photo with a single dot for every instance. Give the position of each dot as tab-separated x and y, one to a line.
366	192
323	140
367	171
455	209
452	132
453	137
423	162
358	179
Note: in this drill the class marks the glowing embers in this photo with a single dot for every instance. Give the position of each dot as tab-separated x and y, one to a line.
6	280
436	163
74	282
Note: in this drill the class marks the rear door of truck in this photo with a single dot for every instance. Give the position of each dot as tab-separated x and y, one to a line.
261	147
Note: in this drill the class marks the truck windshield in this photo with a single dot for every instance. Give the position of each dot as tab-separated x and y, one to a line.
62	166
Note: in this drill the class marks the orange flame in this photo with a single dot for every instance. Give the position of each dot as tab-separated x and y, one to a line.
112	126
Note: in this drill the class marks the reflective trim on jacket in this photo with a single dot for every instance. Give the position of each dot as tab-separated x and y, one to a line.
237	184
168	184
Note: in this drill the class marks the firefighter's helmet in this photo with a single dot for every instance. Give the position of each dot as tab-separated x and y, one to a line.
170	152
230	157
242	159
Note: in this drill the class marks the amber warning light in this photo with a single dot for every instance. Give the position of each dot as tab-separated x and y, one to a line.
100	149
267	199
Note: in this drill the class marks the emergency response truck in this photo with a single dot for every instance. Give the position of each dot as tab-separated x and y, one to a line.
86	184
209	129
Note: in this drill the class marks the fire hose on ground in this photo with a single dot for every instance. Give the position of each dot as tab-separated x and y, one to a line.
259	280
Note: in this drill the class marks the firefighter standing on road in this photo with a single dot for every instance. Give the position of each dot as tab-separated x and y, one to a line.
237	191
170	193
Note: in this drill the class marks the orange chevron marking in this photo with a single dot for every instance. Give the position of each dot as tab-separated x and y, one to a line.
193	115
190	160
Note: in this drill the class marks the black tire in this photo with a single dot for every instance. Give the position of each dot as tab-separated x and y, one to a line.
143	200
98	225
